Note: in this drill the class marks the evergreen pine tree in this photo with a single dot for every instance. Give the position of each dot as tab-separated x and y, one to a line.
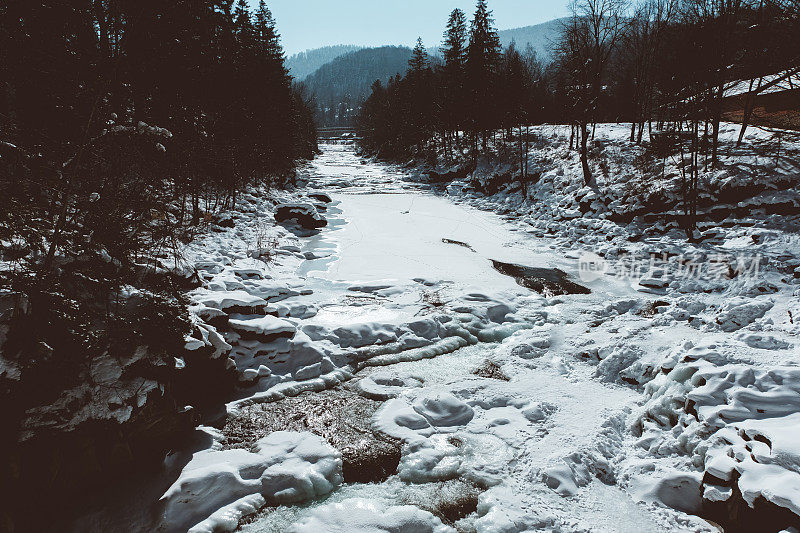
419	61
417	86
452	75
267	36
455	40
241	17
483	55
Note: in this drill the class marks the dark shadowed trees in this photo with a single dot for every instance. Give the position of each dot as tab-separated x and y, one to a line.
516	101
85	83
453	99
419	83
483	60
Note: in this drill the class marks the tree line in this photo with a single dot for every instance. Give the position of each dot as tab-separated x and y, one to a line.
662	65
121	119
476	89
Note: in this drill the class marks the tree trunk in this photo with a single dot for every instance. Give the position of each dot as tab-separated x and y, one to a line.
693	168
715	125
474	142
749	105
521	157
587	173
527	147
195	208
571	136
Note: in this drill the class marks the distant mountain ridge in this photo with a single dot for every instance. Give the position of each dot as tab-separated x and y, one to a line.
341	84
302	64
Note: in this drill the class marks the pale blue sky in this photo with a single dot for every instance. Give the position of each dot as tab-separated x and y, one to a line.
305	24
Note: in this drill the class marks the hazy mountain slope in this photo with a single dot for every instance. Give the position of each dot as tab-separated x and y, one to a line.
542	37
340	86
302	64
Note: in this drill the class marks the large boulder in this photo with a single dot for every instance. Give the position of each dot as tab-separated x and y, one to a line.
303	214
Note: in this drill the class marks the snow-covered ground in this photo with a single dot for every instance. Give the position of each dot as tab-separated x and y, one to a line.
781	81
624	409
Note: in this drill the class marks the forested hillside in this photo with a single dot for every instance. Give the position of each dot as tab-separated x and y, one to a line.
340	86
542	38
302	64
340	78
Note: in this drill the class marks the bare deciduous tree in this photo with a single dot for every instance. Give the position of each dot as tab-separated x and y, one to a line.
643	43
587	43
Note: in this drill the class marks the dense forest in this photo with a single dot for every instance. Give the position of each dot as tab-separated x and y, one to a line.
124	127
197	94
661	65
341	86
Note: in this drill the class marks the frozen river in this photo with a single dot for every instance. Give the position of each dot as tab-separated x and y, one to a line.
420	325
535	443
432	360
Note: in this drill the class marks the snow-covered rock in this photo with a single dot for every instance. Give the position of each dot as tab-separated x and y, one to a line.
231	301
303	214
358	515
385	385
265	327
741	312
285	467
443	410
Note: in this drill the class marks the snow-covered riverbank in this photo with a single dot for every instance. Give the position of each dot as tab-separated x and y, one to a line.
617	410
